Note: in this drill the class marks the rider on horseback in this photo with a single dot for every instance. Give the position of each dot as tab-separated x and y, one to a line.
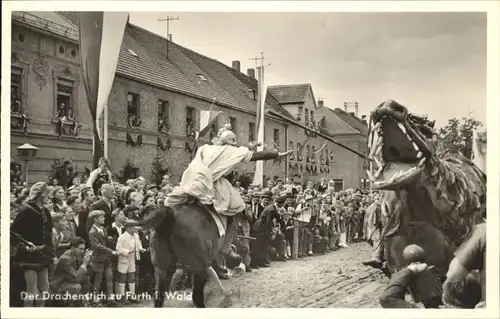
205	179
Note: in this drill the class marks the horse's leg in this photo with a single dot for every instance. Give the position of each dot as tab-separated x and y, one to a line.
176	278
212	275
199	282
161	284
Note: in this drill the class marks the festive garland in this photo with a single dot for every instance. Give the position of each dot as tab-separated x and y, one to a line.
164	147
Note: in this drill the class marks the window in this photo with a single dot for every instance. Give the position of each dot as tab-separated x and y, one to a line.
133	104
306	118
338	185
190	120
16	90
133	110
251	132
299	152
232	121
299	113
312	115
64	98
276	138
65	95
163	116
308	151
290	145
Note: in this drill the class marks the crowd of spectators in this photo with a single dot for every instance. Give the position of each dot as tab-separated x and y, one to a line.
73	240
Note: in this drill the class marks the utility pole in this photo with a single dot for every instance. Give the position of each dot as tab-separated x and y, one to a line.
167	20
259	169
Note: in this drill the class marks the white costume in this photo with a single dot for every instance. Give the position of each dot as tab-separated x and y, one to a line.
204	179
128	247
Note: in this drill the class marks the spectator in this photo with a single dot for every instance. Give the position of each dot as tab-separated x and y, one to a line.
128	248
471	255
71	268
305	213
100	176
101	252
34	225
106	203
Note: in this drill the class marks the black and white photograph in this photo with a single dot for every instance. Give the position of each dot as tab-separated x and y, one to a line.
239	158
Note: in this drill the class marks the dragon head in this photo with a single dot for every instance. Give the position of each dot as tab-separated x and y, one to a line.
401	145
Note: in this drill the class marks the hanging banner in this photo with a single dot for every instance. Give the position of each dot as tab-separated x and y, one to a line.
101	35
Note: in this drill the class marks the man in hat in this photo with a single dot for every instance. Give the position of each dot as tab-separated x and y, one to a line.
99	244
305	215
255	205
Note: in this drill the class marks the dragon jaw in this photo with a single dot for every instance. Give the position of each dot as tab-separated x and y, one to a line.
398	148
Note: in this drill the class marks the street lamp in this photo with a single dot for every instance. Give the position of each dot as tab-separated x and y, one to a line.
26	153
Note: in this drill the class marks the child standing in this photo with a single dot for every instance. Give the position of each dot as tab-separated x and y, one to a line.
128	247
288	230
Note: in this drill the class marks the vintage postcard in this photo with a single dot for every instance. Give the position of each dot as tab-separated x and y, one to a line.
276	156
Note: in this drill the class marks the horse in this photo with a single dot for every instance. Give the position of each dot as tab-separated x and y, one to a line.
187	234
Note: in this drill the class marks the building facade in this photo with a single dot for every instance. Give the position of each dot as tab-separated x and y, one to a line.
153	107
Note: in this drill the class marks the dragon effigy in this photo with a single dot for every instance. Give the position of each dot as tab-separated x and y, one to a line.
428	198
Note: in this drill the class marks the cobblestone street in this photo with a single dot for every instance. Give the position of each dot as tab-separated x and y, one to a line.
334	280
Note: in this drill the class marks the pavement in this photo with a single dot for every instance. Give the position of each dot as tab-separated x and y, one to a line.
333	280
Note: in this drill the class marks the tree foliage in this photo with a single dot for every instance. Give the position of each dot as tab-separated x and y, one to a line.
457	135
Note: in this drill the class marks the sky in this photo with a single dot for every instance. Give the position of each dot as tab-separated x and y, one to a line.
434	63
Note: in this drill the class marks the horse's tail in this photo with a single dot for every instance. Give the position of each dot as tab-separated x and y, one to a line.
153	219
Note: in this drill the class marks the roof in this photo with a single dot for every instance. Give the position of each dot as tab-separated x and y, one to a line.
143	58
352	120
291	93
335	125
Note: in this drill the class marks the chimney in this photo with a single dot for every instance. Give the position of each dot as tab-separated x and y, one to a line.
363	119
321	103
251	73
169	37
236	65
